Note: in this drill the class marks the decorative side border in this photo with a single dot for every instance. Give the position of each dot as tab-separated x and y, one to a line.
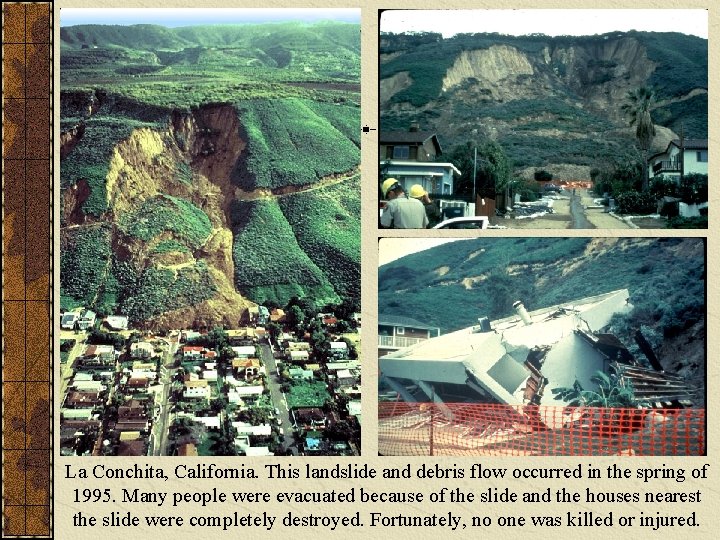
27	295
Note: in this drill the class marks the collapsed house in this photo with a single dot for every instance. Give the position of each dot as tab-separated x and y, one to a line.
521	359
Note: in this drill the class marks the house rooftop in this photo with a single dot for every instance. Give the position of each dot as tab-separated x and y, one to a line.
187	449
497	360
419	164
245	362
131	448
399	320
196	384
691	144
411	136
406	136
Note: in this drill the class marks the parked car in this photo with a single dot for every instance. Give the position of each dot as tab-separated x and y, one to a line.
466	222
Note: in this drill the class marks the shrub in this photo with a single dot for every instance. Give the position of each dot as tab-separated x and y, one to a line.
700	222
169	246
326	223
160	290
663	187
83	263
272	267
693	188
634	202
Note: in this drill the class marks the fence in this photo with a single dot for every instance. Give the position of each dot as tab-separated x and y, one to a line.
454	429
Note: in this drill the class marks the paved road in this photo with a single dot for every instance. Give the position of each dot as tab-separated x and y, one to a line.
577	212
66	369
161	426
278	397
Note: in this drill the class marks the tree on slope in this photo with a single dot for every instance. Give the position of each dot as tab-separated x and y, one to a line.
637	108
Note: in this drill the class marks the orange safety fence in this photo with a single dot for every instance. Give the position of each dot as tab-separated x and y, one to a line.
456	429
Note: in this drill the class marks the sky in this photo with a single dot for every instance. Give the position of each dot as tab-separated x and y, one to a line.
392	249
553	22
190	16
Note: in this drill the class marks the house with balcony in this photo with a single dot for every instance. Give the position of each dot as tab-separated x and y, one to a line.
414	157
395	332
688	156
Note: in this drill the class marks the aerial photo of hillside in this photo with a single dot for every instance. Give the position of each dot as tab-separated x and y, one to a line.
210	233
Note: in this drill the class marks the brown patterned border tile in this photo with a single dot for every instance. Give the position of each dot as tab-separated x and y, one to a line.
27	297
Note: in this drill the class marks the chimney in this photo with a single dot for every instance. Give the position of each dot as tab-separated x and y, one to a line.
414	127
522	312
485	324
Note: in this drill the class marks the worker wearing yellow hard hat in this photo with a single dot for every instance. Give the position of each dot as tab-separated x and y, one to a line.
418	192
390	187
401	212
431	210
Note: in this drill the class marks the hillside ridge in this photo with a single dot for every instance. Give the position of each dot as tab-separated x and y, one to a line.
550	101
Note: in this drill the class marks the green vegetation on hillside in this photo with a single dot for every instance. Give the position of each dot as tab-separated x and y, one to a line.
162	289
270	266
84	263
689	116
682	62
665	277
288	142
573	80
137	35
189	66
681	59
296	89
326	223
346	119
165	213
169	246
526	149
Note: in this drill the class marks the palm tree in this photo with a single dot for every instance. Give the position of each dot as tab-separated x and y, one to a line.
638	106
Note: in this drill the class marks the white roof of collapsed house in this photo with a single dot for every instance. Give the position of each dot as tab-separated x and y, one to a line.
495	359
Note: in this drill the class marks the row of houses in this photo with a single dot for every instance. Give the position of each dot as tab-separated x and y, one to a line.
84	319
112	392
415	157
337	376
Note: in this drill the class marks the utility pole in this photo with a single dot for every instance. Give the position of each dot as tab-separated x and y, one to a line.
474	181
682	152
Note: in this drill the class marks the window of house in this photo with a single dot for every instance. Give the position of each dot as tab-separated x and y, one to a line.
401	152
400	330
702	156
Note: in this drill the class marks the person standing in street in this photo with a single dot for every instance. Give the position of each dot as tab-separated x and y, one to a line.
401	212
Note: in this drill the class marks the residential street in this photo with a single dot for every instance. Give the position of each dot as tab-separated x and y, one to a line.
66	369
161	426
278	397
571	212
